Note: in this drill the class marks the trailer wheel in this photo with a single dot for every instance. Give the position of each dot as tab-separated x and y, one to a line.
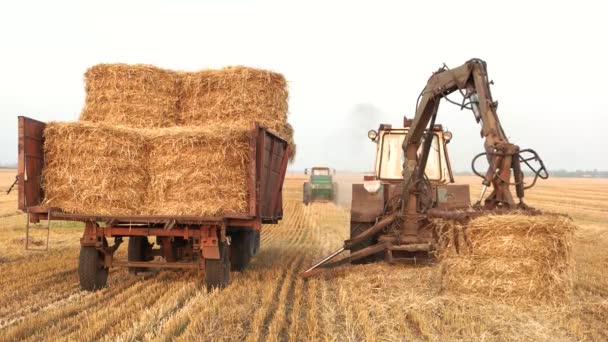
242	249
91	272
217	271
256	242
306	193
357	228
138	250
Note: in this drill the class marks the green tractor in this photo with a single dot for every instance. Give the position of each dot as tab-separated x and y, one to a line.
320	187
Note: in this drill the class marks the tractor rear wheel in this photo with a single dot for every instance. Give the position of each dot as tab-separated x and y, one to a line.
138	250
91	271
217	271
334	192
242	248
357	228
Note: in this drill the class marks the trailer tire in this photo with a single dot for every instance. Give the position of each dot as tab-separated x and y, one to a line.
256	243
138	250
91	271
242	248
217	271
357	228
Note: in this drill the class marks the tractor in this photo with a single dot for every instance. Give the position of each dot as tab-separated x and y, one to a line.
320	187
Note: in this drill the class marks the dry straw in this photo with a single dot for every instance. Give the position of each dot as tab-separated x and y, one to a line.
508	257
132	95
198	171
190	158
235	94
239	95
94	168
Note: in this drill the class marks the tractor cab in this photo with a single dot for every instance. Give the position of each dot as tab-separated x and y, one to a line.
388	166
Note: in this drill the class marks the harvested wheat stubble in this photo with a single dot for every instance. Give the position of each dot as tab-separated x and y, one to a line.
141	96
198	171
94	168
509	257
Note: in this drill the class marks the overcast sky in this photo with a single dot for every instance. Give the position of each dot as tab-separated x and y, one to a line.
350	65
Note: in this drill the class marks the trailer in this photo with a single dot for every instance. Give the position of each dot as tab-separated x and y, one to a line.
212	245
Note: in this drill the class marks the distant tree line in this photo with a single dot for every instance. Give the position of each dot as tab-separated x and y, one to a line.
559	173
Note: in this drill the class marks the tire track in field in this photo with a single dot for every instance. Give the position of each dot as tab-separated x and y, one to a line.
264	316
125	304
58	318
274	321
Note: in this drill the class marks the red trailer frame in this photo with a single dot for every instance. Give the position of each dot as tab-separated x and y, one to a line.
186	241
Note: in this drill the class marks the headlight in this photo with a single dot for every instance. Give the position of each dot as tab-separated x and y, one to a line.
447	136
372	186
372	134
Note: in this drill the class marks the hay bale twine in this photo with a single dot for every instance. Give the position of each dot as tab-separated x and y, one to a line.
139	95
94	168
509	257
198	170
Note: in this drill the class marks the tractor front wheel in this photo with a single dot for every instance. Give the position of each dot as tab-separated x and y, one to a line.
91	271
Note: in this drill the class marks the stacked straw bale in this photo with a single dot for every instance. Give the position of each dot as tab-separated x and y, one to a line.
239	95
198	171
94	168
141	96
509	257
154	141
235	94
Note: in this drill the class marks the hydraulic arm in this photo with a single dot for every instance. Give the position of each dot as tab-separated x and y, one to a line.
471	79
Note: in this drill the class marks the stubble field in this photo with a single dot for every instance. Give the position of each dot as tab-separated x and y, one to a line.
40	298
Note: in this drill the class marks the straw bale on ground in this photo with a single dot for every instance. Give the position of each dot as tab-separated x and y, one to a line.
198	171
509	257
141	96
94	168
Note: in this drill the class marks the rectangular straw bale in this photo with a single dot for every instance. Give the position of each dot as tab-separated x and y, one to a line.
238	94
94	169
139	95
509	257
198	170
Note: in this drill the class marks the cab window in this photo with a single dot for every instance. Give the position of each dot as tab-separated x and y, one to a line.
391	157
320	172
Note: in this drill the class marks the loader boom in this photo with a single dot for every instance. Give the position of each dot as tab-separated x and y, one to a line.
471	79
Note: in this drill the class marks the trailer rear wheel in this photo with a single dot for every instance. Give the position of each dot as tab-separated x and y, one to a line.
357	228
138	250
256	242
242	248
217	271
91	272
